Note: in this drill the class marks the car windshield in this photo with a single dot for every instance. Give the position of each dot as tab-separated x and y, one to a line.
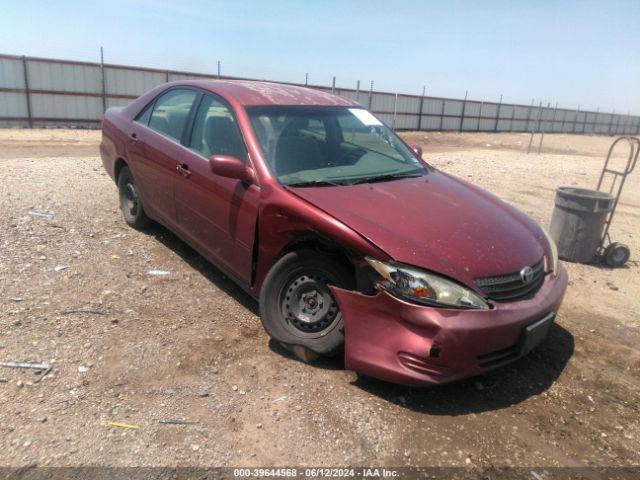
313	146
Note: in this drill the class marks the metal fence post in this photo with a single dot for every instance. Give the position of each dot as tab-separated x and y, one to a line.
628	121
542	133
480	115
613	114
104	87
495	127
533	128
526	127
358	91
306	79
395	110
333	85
575	120
464	106
370	94
540	111
442	114
615	129
553	120
218	68
513	116
424	89
166	76
27	94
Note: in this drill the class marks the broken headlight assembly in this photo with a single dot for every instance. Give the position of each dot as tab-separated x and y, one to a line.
425	287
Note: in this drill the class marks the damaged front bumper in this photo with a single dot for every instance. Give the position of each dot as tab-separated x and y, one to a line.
401	342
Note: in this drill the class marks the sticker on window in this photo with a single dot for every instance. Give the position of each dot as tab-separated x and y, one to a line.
365	117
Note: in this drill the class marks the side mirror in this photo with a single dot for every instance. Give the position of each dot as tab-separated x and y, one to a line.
417	149
231	167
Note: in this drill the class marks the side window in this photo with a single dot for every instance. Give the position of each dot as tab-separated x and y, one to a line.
170	112
144	116
215	131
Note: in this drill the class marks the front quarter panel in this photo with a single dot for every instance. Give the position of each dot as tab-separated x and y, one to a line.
284	217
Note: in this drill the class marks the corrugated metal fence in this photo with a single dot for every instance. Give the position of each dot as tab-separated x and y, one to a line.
47	92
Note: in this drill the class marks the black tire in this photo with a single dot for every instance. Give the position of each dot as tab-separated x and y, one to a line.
616	255
130	202
296	306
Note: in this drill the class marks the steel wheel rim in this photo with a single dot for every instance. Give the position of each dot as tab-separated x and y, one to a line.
307	304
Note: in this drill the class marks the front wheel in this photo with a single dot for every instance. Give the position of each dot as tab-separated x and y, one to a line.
296	305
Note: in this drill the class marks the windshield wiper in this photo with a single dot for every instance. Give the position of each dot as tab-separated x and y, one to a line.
314	183
387	176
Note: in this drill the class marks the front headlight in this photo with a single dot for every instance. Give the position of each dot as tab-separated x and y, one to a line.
554	253
425	287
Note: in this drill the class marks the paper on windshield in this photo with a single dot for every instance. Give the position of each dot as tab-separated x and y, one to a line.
365	117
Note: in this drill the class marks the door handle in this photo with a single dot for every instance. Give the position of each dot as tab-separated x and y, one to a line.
133	137
183	169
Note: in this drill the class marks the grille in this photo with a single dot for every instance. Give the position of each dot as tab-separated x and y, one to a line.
508	288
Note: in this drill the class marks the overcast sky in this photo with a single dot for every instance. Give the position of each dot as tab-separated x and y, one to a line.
571	52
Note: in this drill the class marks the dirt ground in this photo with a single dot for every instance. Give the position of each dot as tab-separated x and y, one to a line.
130	347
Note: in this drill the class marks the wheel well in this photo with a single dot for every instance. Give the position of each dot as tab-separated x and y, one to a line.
318	244
331	249
120	164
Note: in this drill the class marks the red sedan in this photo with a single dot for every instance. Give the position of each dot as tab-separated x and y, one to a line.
351	242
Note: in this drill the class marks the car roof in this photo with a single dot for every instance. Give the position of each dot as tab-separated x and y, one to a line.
251	92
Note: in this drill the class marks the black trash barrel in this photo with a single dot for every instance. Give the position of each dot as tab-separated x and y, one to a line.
577	222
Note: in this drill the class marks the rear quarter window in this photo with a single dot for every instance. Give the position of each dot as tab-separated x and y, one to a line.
144	116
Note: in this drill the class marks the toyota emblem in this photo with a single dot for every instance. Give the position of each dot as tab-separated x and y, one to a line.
526	274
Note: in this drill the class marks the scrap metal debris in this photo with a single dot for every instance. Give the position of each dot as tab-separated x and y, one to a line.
59	268
158	273
45	368
33	365
44	374
176	422
38	213
70	312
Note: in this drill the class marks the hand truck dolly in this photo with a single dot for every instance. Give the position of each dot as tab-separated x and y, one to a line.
616	254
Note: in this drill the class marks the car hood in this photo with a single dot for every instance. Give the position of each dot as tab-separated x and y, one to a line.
437	222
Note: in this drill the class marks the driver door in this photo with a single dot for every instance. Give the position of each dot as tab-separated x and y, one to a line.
217	214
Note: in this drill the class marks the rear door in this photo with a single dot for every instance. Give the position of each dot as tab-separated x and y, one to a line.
217	214
157	149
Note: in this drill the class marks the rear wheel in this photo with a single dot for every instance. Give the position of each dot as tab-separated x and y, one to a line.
616	255
130	202
296	305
